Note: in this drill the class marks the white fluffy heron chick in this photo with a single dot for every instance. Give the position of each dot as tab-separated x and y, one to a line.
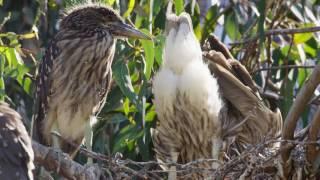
187	100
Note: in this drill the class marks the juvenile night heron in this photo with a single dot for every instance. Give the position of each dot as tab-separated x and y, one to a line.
187	101
194	122
16	154
75	74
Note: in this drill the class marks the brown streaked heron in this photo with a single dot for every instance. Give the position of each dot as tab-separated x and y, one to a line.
16	153
75	74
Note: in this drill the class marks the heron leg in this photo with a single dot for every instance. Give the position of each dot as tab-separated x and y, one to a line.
215	152
55	139
88	140
173	170
56	143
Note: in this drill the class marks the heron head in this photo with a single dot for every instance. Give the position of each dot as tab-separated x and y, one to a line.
182	46
95	16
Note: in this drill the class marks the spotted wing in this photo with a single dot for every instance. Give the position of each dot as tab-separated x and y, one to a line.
16	154
43	87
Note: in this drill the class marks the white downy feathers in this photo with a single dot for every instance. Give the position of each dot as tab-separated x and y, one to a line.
184	72
187	100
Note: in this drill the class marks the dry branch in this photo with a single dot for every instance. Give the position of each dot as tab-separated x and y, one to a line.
284	67
312	151
278	31
297	108
53	160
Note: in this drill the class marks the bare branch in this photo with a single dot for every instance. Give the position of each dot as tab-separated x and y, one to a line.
272	32
313	134
284	67
297	108
60	162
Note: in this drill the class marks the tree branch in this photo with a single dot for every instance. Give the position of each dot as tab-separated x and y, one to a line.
53	160
284	67
311	149
297	108
272	32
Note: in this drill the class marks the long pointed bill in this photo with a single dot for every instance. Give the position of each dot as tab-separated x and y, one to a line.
124	30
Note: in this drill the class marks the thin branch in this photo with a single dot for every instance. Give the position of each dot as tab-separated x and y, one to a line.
269	64
5	20
277	32
284	67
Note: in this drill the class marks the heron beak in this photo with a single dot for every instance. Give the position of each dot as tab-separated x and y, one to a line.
125	30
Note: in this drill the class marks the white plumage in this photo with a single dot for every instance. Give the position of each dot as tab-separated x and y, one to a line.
186	98
185	72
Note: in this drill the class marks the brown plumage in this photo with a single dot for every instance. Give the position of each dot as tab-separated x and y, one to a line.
243	104
16	154
75	73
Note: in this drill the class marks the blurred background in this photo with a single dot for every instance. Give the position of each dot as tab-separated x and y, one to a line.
279	64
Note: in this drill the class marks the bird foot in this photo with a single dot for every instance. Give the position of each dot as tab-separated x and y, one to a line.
89	161
94	170
44	174
59	154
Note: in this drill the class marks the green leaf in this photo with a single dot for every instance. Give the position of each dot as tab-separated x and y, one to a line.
231	27
26	84
302	75
126	138
160	40
310	50
122	78
110	2
118	118
210	22
27	36
302	38
2	85
301	52
148	47
2	89
261	9
287	92
126	107
179	6
13	57
157	5
129	8
150	116
113	100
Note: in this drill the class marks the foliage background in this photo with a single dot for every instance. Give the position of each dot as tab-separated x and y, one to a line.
279	64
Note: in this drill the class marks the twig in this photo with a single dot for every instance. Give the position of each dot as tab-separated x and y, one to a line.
272	32
269	62
84	151
297	108
237	126
5	20
283	67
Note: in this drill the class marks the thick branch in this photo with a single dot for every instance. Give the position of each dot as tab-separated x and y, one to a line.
53	160
313	134
297	108
279	31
